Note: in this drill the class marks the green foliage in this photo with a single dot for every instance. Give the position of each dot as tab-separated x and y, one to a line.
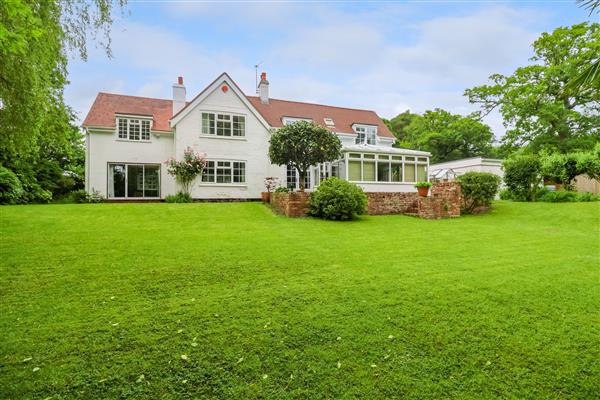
186	171
11	189
399	123
423	184
337	199
564	196
505	194
303	144
448	136
282	189
563	168
82	196
40	142
478	190
537	111
179	197
522	176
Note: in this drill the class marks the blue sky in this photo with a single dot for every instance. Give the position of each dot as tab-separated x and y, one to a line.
385	56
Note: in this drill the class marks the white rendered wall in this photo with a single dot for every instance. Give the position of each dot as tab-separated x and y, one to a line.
104	148
253	148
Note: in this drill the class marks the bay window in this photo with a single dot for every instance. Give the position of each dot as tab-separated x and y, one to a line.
227	125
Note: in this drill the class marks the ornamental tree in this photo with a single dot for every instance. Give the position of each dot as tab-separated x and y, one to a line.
303	144
185	171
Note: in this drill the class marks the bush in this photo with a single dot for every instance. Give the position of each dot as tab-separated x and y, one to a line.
565	196
81	196
180	197
337	199
505	194
11	189
282	189
522	176
478	189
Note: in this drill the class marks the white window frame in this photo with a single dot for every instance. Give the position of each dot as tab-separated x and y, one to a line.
418	161
224	118
368	132
134	121
232	174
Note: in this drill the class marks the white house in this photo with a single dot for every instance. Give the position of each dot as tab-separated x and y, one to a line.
129	138
473	164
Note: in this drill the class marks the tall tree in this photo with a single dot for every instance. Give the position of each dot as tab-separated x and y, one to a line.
537	111
35	39
399	123
448	136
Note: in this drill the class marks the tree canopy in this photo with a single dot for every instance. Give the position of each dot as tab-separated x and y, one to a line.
537	111
399	123
448	136
303	144
35	39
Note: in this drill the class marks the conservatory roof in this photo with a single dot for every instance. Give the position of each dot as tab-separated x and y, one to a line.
370	148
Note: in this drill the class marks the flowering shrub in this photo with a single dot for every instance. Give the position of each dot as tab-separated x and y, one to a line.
186	170
271	183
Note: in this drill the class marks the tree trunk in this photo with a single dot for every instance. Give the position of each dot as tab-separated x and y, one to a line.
302	175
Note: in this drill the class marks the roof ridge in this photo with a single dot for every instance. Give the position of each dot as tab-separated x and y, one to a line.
137	97
319	104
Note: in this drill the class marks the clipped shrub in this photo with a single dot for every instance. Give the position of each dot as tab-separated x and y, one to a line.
478	189
180	197
522	176
282	189
337	199
11	189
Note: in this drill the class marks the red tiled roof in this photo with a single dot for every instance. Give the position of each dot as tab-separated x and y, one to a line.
102	113
343	118
106	105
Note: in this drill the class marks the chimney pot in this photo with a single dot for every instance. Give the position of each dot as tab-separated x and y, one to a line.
263	76
180	80
178	95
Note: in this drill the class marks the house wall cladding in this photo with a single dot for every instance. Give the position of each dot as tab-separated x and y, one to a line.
381	203
444	202
293	204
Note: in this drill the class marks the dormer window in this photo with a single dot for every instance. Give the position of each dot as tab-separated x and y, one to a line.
366	134
329	122
134	129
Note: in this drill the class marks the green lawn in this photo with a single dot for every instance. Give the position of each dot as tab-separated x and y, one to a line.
106	300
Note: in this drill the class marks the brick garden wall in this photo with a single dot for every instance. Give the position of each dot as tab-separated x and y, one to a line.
380	203
444	202
293	204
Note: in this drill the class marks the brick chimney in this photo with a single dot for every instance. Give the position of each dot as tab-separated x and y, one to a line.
178	95
263	88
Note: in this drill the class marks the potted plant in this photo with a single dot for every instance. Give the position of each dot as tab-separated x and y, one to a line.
270	183
423	188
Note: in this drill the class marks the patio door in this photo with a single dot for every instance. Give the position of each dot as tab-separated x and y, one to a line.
133	181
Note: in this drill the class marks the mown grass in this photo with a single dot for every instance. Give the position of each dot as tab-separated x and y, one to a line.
105	300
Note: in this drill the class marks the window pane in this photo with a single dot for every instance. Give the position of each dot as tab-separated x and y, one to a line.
368	171
122	128
422	159
223	172
354	155
396	172
239	172
151	180
134	129
208	124
354	170
116	180
383	171
383	157
223	125
239	125
145	130
208	175
291	177
421	175
397	158
369	156
135	181
409	158
409	172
